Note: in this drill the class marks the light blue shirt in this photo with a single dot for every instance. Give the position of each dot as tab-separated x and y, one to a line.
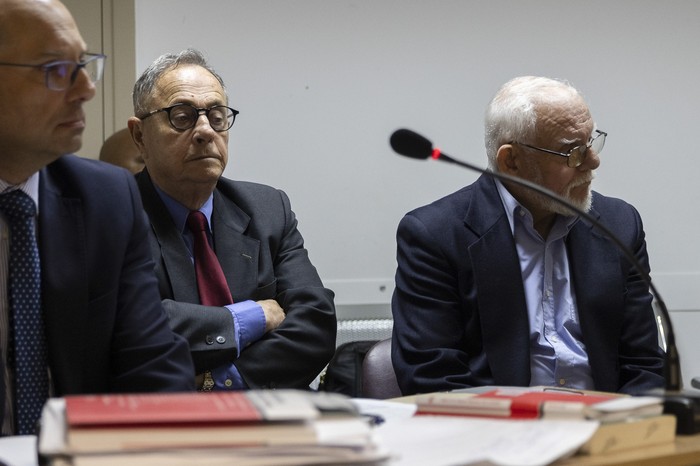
248	316
557	354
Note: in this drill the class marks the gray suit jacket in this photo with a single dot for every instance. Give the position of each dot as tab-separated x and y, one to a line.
263	257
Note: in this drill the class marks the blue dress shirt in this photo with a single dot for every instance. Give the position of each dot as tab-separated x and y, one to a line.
557	354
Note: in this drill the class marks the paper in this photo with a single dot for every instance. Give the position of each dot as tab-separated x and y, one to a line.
451	440
381	410
19	450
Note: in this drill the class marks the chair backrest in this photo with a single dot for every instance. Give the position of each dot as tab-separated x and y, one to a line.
344	371
378	377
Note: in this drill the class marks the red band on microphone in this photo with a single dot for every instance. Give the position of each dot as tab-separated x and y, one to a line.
436	153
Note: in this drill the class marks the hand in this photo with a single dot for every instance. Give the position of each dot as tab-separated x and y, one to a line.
274	314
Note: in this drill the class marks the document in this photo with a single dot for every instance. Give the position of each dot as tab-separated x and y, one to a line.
452	440
19	450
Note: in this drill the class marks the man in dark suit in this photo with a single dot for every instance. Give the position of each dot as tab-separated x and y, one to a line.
498	285
272	323
96	315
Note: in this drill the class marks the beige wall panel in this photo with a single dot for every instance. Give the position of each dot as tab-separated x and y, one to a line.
108	27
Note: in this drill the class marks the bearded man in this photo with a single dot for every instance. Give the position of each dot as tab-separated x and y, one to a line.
500	285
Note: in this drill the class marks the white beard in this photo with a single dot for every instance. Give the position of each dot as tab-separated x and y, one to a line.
550	205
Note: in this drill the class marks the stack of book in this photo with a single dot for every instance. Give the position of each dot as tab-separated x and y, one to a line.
257	427
625	421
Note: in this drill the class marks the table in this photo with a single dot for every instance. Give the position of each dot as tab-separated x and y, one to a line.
685	451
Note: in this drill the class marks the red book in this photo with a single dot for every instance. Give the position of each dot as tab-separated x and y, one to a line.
186	408
512	403
147	422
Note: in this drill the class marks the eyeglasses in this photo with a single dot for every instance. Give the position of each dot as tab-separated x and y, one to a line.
576	156
184	116
60	75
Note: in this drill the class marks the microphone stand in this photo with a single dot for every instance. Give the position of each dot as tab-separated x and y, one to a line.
684	405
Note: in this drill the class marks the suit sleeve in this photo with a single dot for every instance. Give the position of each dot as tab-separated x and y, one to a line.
428	350
295	353
209	330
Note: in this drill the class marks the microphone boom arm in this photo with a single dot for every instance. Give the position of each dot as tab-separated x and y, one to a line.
411	144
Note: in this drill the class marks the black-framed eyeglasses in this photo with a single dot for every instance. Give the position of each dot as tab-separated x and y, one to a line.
184	116
576	156
60	75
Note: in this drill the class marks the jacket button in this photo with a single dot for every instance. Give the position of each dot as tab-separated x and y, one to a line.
220	339
209	339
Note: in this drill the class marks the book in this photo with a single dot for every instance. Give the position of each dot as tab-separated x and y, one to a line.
253	423
640	432
526	403
181	408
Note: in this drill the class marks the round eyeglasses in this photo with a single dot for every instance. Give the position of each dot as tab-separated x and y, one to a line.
60	75
576	156
184	116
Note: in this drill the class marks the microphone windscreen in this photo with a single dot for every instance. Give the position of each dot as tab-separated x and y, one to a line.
411	144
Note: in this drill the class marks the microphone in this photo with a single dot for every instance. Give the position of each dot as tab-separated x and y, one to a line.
685	406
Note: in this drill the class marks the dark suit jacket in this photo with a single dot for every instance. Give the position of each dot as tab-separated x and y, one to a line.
106	329
460	317
263	257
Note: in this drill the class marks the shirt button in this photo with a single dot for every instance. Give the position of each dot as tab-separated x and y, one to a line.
209	340
228	383
562	381
220	339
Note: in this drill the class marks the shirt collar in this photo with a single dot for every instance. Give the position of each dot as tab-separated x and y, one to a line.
512	207
30	187
179	212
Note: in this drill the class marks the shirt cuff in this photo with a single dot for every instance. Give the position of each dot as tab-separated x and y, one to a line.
228	378
249	323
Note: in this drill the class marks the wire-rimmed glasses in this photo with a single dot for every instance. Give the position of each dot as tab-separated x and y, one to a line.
60	75
576	156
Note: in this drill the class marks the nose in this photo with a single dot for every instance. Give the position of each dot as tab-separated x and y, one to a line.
203	132
591	162
83	88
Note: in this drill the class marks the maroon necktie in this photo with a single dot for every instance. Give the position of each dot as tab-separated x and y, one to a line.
213	289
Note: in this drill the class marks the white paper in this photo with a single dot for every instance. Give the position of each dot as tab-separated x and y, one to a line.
19	450
384	410
457	440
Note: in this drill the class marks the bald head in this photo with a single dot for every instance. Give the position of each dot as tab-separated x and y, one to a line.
119	149
39	123
19	16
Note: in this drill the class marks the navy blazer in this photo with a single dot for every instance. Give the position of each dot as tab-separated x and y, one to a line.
262	255
105	326
460	318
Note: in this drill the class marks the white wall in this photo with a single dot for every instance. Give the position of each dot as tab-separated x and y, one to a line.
321	84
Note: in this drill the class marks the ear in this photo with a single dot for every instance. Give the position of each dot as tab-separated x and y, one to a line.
507	159
135	126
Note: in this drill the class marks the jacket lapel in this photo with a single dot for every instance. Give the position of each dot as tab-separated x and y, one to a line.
600	290
176	266
64	273
238	254
500	294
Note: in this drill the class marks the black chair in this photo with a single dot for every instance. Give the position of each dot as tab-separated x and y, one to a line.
378	377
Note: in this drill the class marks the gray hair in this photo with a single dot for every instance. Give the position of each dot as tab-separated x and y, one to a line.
145	85
512	113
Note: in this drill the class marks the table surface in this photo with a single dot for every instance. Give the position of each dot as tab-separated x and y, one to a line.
685	450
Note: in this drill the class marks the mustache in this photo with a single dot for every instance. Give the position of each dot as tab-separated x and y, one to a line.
587	178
